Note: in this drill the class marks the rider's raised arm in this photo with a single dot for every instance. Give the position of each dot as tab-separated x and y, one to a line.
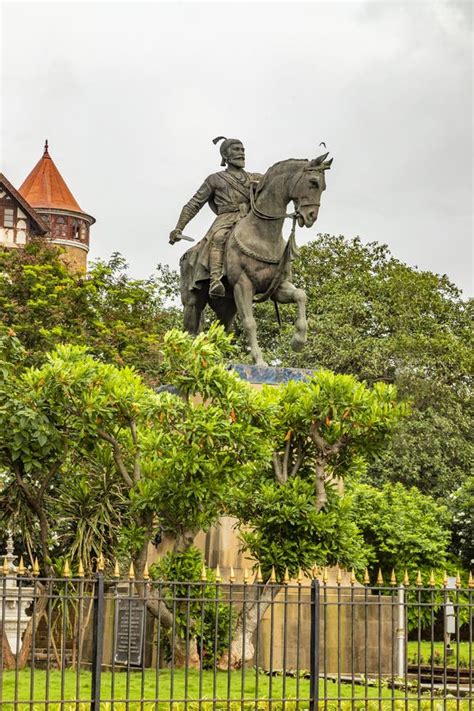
198	200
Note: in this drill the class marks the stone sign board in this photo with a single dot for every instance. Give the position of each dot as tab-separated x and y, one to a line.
129	631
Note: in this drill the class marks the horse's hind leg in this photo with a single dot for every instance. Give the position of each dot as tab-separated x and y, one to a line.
225	310
287	293
243	295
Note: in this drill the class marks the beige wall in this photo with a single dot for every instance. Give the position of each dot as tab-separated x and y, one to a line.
75	258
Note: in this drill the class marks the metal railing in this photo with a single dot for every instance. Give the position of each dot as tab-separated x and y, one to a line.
98	643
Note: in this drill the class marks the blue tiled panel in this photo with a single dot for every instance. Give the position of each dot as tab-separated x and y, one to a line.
270	375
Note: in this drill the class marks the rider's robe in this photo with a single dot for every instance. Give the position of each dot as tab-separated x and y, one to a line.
229	199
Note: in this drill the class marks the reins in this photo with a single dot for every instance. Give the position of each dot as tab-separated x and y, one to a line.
262	215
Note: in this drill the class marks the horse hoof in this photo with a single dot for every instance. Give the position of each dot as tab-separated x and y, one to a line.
297	343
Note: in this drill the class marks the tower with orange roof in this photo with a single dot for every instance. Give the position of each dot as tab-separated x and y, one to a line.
46	191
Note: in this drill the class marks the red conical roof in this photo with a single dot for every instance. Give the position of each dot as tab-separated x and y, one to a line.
45	186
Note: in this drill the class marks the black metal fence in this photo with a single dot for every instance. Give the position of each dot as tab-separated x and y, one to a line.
128	644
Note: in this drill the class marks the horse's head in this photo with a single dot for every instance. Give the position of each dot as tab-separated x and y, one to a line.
306	188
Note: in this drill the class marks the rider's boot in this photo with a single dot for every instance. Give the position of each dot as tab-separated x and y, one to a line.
216	258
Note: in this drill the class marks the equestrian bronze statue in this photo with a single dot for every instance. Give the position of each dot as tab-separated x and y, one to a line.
243	257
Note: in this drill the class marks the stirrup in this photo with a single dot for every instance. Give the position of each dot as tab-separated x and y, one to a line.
216	288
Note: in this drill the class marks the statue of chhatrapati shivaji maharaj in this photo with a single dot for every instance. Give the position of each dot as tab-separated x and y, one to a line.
243	256
228	195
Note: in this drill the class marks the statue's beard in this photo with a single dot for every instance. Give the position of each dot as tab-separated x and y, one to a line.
237	162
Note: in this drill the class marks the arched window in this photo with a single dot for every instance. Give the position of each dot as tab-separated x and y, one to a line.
75	228
59	227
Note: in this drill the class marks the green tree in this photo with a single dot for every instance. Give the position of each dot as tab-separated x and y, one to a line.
376	318
403	529
322	430
199	608
120	319
461	506
174	457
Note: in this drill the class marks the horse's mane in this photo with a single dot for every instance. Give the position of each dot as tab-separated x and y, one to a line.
278	168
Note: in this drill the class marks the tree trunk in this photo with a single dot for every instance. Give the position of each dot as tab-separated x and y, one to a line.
7	654
184	540
241	648
40	604
186	655
321	495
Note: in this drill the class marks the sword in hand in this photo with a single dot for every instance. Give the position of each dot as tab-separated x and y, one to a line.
176	235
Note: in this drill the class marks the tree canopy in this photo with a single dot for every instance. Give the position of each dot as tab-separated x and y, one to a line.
372	316
121	320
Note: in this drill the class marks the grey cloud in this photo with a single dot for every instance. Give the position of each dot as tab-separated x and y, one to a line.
131	94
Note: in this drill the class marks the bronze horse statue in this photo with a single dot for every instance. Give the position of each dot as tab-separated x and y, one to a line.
257	261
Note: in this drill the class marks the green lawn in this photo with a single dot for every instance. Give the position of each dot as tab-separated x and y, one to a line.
424	653
188	686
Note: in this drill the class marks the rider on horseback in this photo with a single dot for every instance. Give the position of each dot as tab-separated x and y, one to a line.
228	195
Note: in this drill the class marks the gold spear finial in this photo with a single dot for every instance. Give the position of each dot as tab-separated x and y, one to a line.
100	563
116	573
353	577
231	575
131	572
80	570
458	580
21	567
36	568
380	577
432	580
146	573
445	580
246	576
470	582
339	576
325	577
299	578
406	578
419	580
393	577
66	569
366	577
218	574
203	573
315	571
259	576
273	575
286	577
5	566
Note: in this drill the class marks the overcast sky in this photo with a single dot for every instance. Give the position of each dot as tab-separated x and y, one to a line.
130	95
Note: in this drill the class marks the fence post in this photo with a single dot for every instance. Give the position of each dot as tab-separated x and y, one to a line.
314	649
97	640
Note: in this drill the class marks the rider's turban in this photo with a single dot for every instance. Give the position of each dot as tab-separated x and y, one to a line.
226	143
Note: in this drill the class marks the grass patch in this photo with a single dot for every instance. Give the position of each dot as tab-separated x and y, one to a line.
247	691
423	654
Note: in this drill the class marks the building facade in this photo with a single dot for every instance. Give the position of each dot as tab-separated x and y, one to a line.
44	208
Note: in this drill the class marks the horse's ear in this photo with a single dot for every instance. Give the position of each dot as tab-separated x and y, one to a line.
317	161
327	164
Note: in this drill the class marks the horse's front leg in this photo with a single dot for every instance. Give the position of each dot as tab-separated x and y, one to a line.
243	295
287	293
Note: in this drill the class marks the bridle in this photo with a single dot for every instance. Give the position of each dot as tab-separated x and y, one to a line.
287	215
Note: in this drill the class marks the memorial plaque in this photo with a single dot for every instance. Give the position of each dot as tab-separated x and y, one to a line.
129	631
